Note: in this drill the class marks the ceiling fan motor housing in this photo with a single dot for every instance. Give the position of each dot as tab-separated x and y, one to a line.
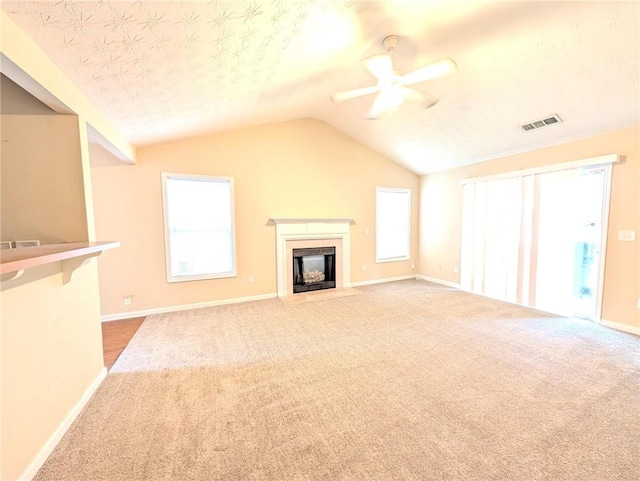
390	43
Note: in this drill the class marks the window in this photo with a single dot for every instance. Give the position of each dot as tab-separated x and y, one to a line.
199	227
393	224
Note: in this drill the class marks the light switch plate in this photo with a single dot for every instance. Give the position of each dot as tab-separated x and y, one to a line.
627	235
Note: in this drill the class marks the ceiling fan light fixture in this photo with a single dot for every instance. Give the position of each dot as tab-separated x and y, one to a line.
394	96
380	67
387	101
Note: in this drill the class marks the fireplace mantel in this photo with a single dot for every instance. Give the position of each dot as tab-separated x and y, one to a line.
304	229
306	220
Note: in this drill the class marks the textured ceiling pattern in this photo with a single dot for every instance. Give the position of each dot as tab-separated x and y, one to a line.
162	70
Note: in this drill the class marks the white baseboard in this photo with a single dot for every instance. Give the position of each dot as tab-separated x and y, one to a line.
380	281
621	327
184	307
438	281
54	439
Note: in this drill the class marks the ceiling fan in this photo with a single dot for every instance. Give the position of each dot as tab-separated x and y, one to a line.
392	88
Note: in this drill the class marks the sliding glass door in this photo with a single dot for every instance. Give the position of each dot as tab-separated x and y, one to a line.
569	238
537	239
491	233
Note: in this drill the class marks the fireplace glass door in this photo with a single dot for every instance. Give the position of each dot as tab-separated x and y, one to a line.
314	268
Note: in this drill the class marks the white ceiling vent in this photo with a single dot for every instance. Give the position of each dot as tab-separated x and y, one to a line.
537	124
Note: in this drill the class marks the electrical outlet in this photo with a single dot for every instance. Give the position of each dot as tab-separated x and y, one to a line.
126	300
456	269
413	266
366	231
252	279
364	267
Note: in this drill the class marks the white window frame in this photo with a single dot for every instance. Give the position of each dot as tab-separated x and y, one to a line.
394	190
167	238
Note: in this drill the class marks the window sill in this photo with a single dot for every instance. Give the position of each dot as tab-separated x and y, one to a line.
392	259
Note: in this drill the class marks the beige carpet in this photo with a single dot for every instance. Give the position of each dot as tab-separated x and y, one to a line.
407	381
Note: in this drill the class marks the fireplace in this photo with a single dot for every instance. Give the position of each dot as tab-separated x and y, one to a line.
307	233
314	268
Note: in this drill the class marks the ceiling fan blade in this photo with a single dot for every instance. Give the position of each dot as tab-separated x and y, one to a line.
420	97
387	102
431	71
352	94
380	67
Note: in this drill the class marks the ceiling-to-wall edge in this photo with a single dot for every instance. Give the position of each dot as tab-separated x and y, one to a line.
25	63
384	155
531	148
248	128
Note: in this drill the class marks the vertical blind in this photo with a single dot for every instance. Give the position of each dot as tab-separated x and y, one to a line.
491	237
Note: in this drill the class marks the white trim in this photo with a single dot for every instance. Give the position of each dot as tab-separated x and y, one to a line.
306	220
438	281
604	231
54	439
380	281
185	307
574	164
393	259
618	326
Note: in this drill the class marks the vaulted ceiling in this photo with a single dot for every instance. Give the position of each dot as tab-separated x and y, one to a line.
163	70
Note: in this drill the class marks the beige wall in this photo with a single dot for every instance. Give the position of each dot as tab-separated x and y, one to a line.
17	101
441	215
51	340
50	333
51	353
42	188
300	168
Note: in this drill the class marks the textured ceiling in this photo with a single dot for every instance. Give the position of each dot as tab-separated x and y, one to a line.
162	70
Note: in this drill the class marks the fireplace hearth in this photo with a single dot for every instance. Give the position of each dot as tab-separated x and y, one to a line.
314	268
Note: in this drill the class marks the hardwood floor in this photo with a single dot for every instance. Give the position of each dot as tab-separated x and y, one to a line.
115	337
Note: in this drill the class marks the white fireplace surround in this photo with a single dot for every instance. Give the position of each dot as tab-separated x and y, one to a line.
290	230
